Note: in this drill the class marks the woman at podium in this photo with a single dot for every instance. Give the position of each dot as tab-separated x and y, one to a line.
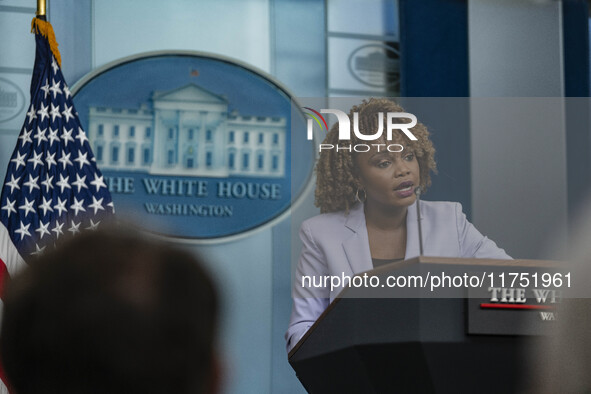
367	198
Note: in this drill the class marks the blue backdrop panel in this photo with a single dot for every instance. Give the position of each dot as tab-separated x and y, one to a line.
434	63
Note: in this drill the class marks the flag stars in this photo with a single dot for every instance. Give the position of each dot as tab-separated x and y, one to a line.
31	113
67	112
53	137
75	227
98	182
97	204
27	206
13	184
63	183
9	207
36	159
43	112
45	88
40	136
57	229
112	206
32	183
26	136
82	159
48	182
38	250
50	160
67	92
65	160
55	112
80	182
67	136
55	88
23	230
60	206
81	136
93	226
43	229
53	213
46	206
54	65
77	206
19	160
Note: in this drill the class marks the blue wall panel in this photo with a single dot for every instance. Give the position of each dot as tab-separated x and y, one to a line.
434	63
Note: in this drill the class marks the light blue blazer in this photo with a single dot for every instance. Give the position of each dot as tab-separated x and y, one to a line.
338	244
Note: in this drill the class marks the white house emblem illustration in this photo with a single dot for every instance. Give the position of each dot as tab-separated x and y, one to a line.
188	131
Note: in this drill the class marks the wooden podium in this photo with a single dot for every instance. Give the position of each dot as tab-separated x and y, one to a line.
466	342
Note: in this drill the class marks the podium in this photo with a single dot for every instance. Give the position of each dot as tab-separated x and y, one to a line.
466	342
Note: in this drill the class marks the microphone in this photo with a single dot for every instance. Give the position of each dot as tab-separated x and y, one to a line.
418	194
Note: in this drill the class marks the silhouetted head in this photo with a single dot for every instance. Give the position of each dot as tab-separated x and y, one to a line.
111	312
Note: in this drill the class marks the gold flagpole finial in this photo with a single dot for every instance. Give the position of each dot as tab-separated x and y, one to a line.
41	8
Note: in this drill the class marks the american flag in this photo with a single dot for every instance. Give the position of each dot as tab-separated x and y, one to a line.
52	187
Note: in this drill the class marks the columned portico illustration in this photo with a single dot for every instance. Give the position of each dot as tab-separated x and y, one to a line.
188	131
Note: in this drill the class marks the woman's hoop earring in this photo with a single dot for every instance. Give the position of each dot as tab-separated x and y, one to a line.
364	195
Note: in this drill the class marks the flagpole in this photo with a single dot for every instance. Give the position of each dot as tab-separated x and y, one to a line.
41	9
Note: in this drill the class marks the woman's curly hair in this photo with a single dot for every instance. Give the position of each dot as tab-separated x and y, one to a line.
336	182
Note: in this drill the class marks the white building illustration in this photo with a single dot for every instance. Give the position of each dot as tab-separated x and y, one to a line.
187	132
